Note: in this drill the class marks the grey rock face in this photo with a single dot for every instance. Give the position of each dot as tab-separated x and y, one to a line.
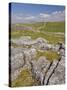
17	62
39	68
58	76
42	63
46	72
17	59
20	59
39	43
22	40
50	72
15	74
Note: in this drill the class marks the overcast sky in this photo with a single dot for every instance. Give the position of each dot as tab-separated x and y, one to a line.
24	13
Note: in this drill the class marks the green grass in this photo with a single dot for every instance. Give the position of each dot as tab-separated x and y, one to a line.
47	26
24	79
53	27
34	35
44	26
47	31
20	46
50	55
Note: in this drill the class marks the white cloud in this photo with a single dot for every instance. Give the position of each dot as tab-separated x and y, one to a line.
58	13
44	15
18	17
54	16
29	17
54	12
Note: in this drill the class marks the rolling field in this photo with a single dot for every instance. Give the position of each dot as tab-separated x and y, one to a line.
50	26
51	31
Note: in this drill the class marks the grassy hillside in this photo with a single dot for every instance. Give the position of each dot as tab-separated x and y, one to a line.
44	26
55	27
50	26
44	30
34	35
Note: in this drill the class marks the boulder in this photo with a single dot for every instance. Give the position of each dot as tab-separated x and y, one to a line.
17	58
58	77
